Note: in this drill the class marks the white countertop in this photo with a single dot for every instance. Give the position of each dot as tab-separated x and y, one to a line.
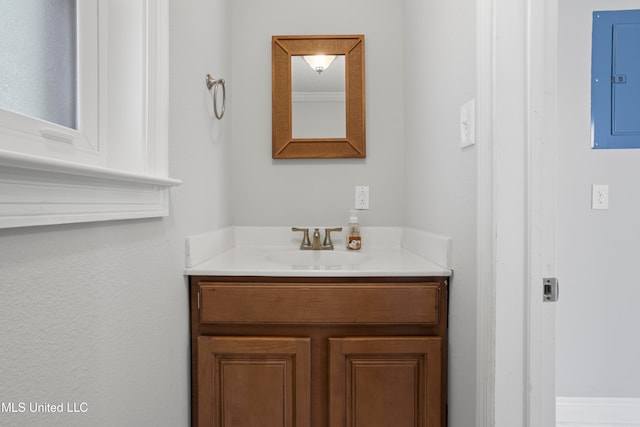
226	253
379	262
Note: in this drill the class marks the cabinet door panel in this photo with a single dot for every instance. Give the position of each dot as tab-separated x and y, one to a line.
385	381
253	381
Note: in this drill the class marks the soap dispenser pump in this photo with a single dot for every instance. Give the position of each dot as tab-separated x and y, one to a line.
354	240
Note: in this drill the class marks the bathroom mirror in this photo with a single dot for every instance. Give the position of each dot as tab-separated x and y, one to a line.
318	102
318	110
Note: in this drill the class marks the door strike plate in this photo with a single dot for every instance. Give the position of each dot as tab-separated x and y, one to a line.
551	290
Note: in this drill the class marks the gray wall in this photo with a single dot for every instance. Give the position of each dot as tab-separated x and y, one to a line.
440	178
98	313
597	315
320	192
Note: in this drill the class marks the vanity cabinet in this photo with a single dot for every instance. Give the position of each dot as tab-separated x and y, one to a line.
318	352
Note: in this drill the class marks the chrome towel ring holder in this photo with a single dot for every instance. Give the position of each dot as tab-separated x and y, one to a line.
214	84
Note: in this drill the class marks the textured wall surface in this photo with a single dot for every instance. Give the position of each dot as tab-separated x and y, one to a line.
98	313
94	314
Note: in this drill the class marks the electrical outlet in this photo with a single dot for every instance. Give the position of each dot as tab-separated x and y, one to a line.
599	196
362	197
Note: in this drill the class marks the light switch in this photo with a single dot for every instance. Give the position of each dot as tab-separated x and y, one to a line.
599	196
467	124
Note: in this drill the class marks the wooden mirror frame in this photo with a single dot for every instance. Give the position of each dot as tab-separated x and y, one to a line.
284	146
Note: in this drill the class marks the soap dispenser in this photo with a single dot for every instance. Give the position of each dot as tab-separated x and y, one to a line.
354	241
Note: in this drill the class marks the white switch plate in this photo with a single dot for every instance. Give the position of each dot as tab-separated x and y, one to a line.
362	197
467	124
599	196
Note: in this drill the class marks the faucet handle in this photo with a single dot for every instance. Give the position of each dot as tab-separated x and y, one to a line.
305	236
328	244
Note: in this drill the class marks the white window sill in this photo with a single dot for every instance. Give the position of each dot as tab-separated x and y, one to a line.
40	191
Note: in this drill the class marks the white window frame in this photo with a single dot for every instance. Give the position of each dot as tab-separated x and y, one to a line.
66	176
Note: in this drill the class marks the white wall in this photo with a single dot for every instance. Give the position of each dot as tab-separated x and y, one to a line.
597	345
315	192
98	313
440	178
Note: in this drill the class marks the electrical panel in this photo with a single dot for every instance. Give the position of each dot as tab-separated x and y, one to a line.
615	79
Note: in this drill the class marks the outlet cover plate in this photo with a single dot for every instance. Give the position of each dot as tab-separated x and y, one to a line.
467	124
599	196
362	197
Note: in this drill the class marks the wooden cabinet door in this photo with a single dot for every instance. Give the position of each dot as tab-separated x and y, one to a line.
253	382
385	381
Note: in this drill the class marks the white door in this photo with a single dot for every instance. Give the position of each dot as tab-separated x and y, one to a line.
516	130
542	117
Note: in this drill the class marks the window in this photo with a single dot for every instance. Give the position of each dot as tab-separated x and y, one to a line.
106	157
49	75
38	60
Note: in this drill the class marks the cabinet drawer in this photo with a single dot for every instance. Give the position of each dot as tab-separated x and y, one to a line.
415	303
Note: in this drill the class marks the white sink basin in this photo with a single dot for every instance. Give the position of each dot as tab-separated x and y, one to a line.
319	258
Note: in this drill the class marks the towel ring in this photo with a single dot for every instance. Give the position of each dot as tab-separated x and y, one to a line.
215	83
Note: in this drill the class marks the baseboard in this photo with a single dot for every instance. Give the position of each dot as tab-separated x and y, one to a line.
597	412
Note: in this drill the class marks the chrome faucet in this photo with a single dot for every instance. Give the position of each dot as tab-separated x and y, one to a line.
315	245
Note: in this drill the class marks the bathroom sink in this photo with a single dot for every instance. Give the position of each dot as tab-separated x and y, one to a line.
317	258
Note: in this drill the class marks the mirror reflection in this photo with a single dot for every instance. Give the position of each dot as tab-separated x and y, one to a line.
318	96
